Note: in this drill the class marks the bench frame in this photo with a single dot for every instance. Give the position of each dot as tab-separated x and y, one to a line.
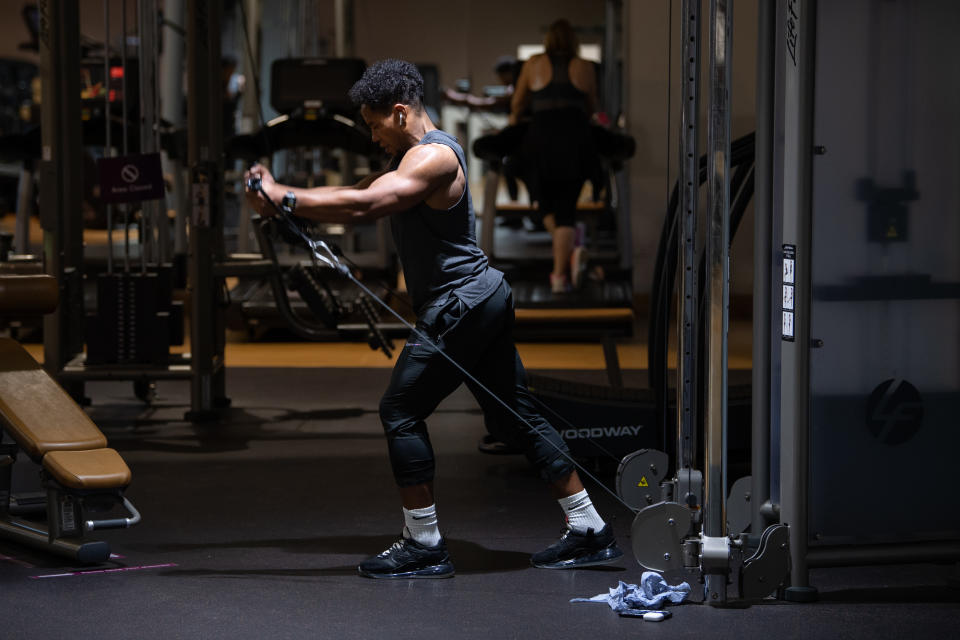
69	515
76	474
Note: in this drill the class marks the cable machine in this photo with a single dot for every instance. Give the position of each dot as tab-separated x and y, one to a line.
136	320
683	531
852	377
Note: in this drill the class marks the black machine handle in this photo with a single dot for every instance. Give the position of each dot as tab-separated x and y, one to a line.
321	253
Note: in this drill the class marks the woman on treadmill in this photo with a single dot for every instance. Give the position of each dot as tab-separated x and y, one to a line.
560	91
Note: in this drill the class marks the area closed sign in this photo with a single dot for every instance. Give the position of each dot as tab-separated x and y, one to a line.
132	178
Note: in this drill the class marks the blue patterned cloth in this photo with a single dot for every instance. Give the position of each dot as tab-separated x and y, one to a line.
652	593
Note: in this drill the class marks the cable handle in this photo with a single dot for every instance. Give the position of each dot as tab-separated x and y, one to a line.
320	251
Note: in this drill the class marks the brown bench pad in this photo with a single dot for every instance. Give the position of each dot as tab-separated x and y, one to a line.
36	411
96	469
28	294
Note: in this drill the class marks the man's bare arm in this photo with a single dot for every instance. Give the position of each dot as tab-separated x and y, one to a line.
277	191
422	171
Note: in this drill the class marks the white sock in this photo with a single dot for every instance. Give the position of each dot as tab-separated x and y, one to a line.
581	514
421	525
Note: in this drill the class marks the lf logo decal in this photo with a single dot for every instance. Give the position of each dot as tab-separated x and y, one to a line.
894	411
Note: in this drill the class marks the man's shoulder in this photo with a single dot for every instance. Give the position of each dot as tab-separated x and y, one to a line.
435	148
440	137
431	153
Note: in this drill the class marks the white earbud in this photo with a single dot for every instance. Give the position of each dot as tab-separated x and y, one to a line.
401	118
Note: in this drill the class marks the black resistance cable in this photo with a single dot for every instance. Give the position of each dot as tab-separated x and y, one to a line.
335	258
322	252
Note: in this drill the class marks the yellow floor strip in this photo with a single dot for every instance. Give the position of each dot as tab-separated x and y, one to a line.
538	355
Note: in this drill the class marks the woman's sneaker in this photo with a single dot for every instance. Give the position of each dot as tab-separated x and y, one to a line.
407	558
575	550
559	284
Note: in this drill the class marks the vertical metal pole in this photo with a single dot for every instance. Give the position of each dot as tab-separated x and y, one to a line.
250	109
613	55
762	266
798	20
613	18
717	284
205	133
147	15
690	183
171	72
343	19
124	115
61	177
107	123
343	16
21	230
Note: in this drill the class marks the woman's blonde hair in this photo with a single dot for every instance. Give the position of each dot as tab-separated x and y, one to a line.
560	39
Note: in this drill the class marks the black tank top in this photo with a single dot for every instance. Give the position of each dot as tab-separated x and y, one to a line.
559	92
438	248
558	145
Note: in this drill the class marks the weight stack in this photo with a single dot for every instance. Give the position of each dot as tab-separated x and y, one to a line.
128	327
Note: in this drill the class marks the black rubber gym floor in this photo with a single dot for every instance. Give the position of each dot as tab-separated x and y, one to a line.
253	528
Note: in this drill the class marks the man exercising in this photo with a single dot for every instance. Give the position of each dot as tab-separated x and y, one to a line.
462	304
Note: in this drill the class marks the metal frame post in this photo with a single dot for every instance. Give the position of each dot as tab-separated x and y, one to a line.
717	285
61	176
150	244
762	266
250	105
796	57
250	101
613	105
343	19
171	78
205	159
21	230
690	186
613	19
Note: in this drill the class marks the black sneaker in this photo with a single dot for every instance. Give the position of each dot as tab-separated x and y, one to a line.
575	550
489	444
407	558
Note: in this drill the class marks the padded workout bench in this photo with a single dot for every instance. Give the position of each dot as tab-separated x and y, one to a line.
80	474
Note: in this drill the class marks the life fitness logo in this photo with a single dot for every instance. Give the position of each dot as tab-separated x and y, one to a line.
894	412
130	173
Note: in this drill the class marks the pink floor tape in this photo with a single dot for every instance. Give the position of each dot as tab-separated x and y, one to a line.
4	558
114	570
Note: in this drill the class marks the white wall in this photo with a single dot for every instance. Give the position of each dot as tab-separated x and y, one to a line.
465	37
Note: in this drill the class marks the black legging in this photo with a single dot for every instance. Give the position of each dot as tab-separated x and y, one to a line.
481	341
559	198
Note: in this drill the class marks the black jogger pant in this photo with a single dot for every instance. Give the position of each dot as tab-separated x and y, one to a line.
481	341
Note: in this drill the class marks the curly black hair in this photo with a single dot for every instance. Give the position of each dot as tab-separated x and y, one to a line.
386	83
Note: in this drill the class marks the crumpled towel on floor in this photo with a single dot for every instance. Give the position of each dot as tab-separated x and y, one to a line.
652	593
